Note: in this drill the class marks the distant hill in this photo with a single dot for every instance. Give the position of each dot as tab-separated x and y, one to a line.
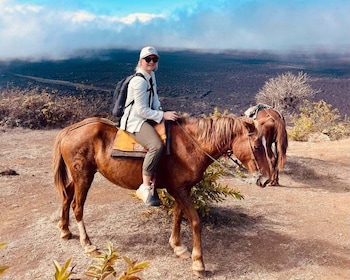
191	82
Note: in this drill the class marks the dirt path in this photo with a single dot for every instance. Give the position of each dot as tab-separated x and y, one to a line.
296	231
64	83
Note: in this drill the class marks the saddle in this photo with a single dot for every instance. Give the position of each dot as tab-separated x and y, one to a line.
253	111
126	146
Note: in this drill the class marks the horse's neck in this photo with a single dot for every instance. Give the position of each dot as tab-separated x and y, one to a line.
278	114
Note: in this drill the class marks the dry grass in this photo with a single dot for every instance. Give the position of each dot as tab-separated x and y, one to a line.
40	109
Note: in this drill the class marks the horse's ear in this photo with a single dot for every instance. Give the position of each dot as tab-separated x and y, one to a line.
253	126
250	124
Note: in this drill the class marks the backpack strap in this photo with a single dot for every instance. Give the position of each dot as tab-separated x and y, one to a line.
138	74
151	91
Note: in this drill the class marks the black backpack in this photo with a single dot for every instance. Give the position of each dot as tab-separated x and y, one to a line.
120	94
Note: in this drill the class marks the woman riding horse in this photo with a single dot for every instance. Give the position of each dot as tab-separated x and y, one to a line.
84	148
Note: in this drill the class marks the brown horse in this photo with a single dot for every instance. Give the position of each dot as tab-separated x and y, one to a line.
85	148
275	133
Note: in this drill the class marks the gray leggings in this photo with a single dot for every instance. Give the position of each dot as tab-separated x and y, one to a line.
149	138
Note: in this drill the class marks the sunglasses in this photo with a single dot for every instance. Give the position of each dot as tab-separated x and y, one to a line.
149	58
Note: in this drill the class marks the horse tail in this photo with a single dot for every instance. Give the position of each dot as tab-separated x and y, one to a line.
59	166
281	141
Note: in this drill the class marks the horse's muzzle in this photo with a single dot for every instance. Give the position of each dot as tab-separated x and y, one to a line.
262	181
258	179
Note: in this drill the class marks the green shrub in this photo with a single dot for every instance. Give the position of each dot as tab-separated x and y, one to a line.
208	191
62	273
318	117
104	266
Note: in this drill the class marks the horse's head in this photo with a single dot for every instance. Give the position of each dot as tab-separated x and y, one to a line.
250	149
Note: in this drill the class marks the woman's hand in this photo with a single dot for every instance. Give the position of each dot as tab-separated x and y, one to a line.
170	116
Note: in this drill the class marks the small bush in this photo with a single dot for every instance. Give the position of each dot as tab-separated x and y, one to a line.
104	266
62	273
3	267
318	117
39	109
286	92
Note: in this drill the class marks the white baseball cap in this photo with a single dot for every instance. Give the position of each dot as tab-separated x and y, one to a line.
146	51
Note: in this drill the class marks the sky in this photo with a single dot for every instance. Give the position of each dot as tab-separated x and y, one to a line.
43	29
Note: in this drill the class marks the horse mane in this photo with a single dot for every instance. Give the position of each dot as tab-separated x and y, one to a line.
218	130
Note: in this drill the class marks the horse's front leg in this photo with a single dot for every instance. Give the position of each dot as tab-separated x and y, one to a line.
186	205
197	254
180	250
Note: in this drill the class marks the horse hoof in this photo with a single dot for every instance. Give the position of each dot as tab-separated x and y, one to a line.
185	255
66	235
94	254
198	268
90	250
200	273
182	252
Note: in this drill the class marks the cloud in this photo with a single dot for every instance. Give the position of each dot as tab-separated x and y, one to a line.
277	25
32	31
29	32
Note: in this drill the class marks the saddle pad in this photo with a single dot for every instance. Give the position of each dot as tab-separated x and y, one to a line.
126	146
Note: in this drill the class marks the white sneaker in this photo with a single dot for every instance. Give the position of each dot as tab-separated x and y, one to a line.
148	195
142	192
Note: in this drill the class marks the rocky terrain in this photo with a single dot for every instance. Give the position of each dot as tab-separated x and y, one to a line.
190	82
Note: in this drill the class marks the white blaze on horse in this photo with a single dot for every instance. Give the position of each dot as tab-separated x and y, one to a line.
84	148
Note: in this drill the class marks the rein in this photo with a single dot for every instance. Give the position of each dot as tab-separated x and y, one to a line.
236	161
229	154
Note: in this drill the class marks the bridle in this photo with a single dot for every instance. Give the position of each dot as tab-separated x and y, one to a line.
229	154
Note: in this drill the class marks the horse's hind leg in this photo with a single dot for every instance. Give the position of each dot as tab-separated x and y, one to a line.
274	179
81	188
274	176
63	224
272	154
